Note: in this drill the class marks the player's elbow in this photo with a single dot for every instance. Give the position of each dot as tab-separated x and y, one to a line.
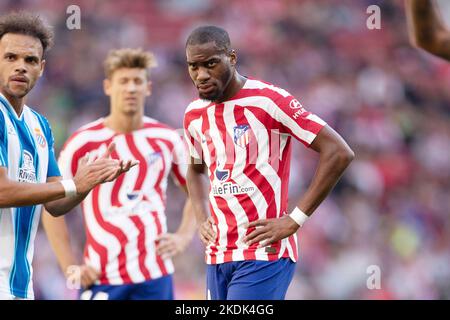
53	210
6	200
343	156
435	43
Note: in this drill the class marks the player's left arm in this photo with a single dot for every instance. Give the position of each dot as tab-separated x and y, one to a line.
170	244
334	157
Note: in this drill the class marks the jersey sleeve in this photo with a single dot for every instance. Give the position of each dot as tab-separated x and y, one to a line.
192	139
52	170
3	143
180	160
296	120
68	158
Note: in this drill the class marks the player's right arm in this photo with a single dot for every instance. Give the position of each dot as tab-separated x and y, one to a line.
19	194
199	197
426	28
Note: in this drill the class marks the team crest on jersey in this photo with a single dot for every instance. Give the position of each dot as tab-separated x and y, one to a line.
242	135
27	172
40	137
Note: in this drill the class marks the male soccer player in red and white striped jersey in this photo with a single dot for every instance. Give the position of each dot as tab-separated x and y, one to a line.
240	133
128	250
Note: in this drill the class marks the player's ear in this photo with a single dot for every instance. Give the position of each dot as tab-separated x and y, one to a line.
233	57
107	86
149	88
42	68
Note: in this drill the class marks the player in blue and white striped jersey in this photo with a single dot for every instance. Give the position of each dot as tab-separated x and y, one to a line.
29	175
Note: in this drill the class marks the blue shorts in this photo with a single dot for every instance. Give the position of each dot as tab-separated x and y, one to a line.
249	280
157	289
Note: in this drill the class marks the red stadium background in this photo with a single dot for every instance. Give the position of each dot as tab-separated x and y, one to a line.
390	101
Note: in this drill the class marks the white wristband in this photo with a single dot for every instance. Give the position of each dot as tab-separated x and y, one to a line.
298	216
69	187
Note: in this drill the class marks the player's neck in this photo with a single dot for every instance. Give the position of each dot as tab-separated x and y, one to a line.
122	123
235	85
16	103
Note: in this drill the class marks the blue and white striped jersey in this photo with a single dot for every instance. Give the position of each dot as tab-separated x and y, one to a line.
26	150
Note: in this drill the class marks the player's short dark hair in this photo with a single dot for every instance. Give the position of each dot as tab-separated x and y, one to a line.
207	34
27	24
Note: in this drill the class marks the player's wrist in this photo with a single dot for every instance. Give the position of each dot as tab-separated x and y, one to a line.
69	186
298	216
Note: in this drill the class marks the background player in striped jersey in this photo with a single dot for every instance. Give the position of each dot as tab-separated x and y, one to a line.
124	220
240	130
29	175
426	28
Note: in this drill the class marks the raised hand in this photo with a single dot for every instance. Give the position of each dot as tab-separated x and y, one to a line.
92	172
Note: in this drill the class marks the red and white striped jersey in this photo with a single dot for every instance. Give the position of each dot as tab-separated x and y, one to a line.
123	217
246	144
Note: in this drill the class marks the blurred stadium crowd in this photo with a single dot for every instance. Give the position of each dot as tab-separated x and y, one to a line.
391	102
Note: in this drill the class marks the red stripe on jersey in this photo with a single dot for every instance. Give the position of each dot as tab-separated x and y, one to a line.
158	189
294	247
141	246
117	185
232	234
159	231
176	172
212	154
284	172
142	174
116	232
195	114
101	250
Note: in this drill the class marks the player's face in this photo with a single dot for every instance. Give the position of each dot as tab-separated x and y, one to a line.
21	64
211	70
127	89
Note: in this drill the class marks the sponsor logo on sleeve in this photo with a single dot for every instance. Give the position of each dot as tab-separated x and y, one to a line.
296	105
